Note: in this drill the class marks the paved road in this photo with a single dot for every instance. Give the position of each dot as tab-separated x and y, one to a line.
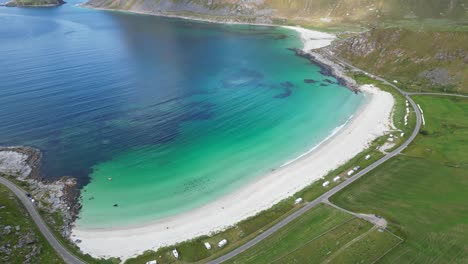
440	94
336	189
72	259
58	247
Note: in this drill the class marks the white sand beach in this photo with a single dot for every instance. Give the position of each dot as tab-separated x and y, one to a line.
313	39
371	121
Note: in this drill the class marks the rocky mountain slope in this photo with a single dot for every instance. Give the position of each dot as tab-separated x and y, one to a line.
267	11
421	60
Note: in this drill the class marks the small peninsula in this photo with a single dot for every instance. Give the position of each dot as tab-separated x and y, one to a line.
34	3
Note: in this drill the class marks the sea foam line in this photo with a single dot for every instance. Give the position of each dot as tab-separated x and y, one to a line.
333	133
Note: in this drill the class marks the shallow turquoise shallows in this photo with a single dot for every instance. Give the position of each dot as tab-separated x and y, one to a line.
157	116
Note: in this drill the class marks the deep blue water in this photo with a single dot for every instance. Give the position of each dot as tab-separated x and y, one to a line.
167	106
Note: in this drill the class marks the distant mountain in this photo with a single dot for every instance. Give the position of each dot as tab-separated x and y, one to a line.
32	3
267	11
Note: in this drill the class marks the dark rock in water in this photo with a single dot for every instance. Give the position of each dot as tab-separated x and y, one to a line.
287	92
325	68
323	84
287	84
116	205
329	81
310	81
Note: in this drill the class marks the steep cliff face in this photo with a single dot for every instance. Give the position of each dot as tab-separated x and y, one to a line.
268	10
420	60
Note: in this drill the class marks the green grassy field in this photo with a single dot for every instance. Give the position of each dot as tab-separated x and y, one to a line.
322	235
423	191
21	242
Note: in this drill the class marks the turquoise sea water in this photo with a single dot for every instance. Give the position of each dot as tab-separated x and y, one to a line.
157	116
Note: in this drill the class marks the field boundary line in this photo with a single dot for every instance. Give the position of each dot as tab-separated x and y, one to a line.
347	245
317	237
392	248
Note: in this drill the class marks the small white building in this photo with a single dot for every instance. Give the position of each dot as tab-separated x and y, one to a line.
152	262
368	157
351	172
337	178
298	201
175	253
207	245
222	243
325	184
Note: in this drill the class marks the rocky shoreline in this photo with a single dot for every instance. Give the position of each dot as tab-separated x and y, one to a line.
59	196
329	66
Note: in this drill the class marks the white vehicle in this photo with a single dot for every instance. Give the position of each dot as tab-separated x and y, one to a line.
337	178
175	253
368	157
152	262
298	201
351	172
222	243
325	184
357	168
207	245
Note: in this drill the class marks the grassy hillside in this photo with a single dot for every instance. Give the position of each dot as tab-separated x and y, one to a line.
421	60
20	240
292	11
423	192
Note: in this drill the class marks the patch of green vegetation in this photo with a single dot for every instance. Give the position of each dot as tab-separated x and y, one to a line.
55	222
367	249
21	241
419	60
423	193
446	140
321	235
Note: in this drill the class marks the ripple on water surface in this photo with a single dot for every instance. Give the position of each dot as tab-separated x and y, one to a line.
158	116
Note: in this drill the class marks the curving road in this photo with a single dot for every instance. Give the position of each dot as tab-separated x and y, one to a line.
69	258
58	247
439	94
324	197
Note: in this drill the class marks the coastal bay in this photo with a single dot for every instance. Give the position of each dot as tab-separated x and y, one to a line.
161	140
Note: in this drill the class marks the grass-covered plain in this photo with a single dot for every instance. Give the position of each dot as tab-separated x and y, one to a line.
423	191
323	234
24	238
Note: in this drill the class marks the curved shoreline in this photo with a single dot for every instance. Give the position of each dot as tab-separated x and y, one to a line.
369	122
